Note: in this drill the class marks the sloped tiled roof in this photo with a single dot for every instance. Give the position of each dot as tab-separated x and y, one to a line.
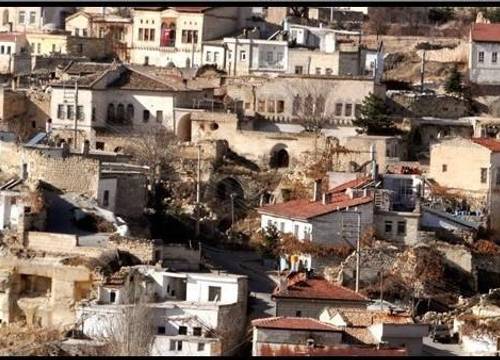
355	183
293	323
360	317
79	67
485	32
491	144
306	209
132	80
320	289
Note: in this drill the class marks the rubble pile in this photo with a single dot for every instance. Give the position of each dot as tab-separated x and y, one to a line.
20	339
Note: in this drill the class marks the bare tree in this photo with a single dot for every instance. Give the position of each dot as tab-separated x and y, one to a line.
131	331
377	22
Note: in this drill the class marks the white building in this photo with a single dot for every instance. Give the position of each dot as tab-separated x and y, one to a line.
484	47
119	98
14	54
331	220
174	35
202	314
33	19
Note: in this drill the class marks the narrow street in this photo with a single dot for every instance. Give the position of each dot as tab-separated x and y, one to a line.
260	279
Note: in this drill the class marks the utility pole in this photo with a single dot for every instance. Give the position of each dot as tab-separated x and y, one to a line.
76	114
422	72
357	251
381	290
198	193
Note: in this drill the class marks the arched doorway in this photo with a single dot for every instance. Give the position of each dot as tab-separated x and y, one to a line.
228	186
184	128
279	157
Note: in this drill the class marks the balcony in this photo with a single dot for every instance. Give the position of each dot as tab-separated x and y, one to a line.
270	66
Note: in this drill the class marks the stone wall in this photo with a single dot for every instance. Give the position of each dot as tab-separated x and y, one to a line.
131	199
446	55
73	173
10	158
410	104
409	237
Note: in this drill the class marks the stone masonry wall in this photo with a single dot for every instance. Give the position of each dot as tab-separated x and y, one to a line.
73	173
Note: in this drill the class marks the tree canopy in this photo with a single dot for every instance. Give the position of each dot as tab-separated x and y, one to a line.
373	117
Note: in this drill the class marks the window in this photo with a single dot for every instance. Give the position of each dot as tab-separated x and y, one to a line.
130	112
280	57
484	175
348	109
357	110
70	111
146	34
172	345
120	113
318	71
145	116
151	34
296	230
299	70
197	331
481	57
338	109
105	199
328	71
269	56
494	57
189	36
8	49
229	55
282	226
93	114
270	106
22	16
140	36
280	106
297	102
209	56
146	60
159	116
444	168
79	112
111	112
112	297
77	32
161	330
320	105
298	313
32	17
99	145
388	227
214	293
183	330
269	223
401	227
201	346
261	105
60	111
247	106
243	55
216	55
53	48
39	48
84	33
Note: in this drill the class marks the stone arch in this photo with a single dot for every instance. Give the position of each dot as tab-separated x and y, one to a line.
227	186
118	149
279	156
353	166
184	127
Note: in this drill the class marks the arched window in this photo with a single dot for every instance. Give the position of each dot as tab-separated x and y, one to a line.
111	112
130	113
120	113
5	17
308	105
320	105
297	104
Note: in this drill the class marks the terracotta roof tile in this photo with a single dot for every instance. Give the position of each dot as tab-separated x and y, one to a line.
306	209
491	144
318	288
10	36
293	323
486	32
359	317
355	183
358	335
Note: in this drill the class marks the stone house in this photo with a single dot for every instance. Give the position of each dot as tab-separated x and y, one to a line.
484	47
115	29
14	54
278	332
470	167
62	42
164	35
33	18
308	295
193	313
331	221
119	99
378	327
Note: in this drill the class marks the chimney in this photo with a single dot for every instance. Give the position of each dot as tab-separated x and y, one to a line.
324	199
365	192
85	147
316	189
